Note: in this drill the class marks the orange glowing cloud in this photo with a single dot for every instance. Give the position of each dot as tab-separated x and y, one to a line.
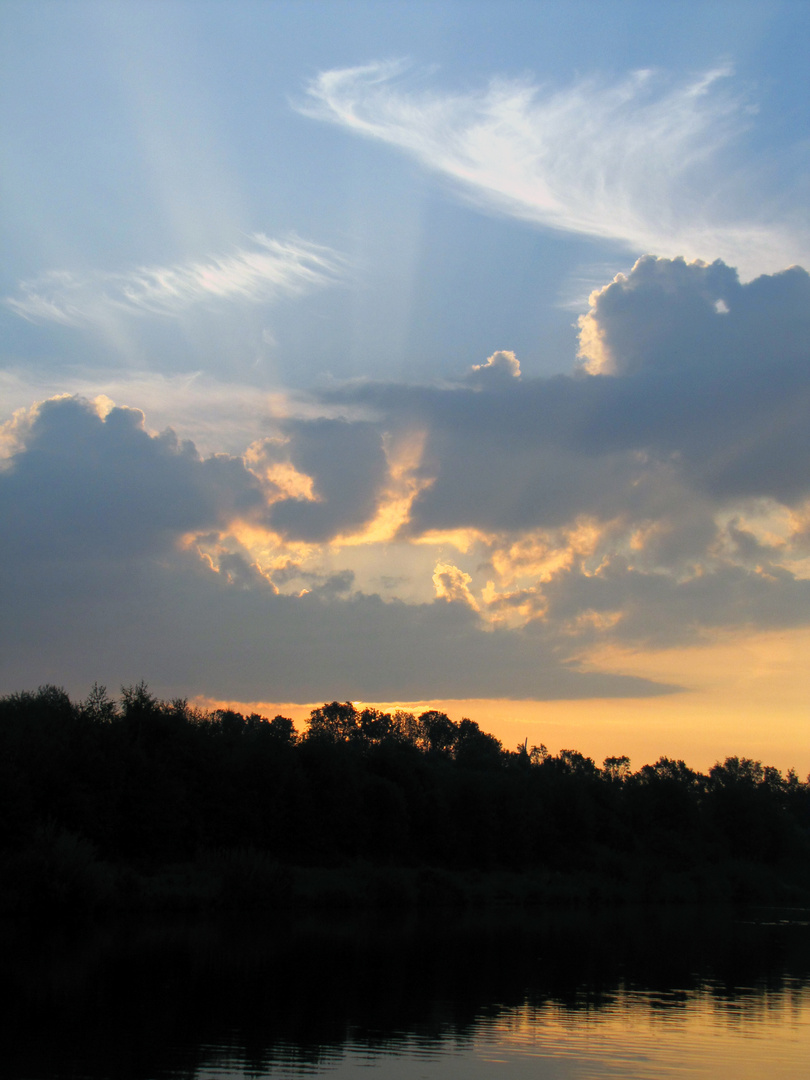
541	555
404	457
453	584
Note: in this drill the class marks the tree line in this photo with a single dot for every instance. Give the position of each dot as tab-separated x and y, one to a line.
145	783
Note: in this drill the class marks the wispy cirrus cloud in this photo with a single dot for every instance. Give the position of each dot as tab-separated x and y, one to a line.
256	274
639	161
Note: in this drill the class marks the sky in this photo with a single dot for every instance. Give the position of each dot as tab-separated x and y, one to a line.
434	354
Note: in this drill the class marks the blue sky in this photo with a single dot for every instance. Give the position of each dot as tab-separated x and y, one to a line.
316	277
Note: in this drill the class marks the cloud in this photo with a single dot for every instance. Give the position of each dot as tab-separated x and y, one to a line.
453	585
708	404
184	627
512	455
99	579
641	161
721	392
659	498
258	274
502	364
347	469
624	603
83	486
220	416
671	315
675	477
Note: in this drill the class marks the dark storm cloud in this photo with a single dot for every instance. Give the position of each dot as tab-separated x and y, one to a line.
85	486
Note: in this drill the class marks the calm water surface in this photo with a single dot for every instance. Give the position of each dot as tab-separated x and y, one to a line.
635	994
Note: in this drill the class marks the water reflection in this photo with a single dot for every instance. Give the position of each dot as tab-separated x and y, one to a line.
639	993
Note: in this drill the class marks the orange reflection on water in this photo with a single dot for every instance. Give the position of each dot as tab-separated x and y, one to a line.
640	1036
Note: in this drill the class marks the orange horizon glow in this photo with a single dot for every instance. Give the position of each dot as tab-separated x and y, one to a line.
744	697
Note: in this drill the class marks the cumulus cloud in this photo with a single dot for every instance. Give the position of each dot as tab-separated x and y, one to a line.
342	468
502	364
701	404
94	584
659	493
219	415
256	274
453	585
721	393
513	456
82	485
628	484
639	160
672	315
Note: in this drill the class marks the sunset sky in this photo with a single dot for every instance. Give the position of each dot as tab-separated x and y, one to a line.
432	354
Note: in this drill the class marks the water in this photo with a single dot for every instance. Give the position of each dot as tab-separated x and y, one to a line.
639	994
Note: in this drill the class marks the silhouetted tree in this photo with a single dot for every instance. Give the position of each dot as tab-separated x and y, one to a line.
336	722
146	782
475	748
437	732
616	769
